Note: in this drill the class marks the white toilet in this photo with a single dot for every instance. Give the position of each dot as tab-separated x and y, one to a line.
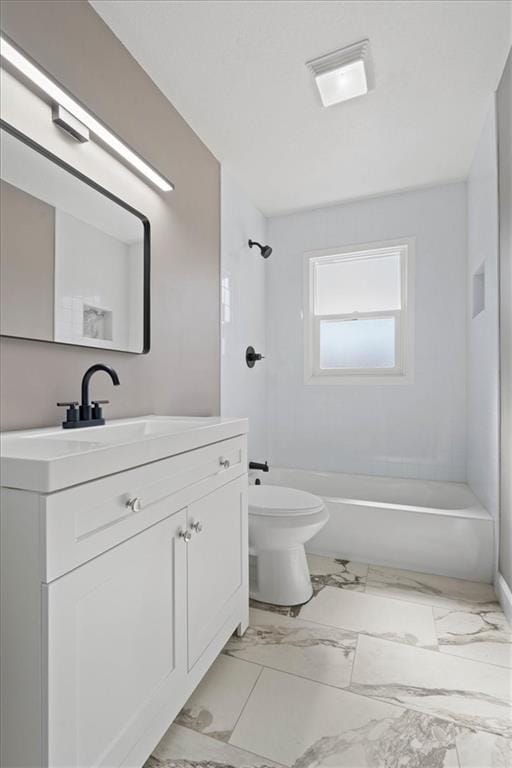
281	520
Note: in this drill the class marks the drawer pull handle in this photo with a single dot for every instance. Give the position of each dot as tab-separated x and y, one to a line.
197	527
134	504
185	535
224	463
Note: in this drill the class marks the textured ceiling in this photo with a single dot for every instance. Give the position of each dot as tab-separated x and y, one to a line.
236	72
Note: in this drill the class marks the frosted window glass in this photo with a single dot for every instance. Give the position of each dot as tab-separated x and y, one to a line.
364	343
358	285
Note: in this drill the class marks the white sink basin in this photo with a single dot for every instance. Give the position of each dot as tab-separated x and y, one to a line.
118	434
47	460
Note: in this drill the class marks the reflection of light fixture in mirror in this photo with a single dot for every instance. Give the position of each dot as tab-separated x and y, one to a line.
343	74
58	95
70	124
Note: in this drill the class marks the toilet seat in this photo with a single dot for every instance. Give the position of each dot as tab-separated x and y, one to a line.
278	501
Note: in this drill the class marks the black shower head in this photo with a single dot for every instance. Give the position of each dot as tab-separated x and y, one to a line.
266	250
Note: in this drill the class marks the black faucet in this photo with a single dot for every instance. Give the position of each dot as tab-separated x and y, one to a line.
256	465
88	415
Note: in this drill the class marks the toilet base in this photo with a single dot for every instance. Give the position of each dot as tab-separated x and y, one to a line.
281	576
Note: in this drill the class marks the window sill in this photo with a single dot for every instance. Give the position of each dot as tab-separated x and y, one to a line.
353	379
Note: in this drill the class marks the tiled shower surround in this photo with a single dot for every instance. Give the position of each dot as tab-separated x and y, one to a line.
382	667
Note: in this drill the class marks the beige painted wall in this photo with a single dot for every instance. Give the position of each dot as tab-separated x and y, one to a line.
27	244
181	373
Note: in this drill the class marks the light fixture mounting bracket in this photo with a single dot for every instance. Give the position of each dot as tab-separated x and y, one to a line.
68	123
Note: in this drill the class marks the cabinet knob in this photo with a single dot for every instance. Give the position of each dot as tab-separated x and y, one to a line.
134	504
224	462
185	535
197	526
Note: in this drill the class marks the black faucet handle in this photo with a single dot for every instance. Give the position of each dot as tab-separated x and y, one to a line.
97	413
71	413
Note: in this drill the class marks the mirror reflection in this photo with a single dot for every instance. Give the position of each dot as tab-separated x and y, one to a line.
74	263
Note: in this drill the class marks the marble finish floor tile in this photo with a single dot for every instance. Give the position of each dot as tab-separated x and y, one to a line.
304	724
336	572
303	648
473	694
218	700
325	572
427	588
478	749
282	610
477	632
184	748
371	615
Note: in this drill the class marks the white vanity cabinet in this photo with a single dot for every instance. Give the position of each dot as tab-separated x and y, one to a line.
117	595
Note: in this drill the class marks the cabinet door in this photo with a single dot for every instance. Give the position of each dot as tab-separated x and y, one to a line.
216	562
116	646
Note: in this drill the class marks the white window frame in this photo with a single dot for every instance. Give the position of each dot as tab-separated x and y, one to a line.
402	373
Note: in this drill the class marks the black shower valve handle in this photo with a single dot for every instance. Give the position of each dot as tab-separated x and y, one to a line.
252	357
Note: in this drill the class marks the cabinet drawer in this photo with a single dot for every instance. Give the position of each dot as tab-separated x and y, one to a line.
81	522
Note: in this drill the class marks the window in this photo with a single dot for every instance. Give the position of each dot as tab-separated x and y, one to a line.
358	318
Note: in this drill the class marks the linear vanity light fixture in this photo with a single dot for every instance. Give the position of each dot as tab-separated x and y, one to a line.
60	97
343	74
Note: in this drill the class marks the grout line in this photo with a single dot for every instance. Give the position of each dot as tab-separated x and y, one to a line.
361	632
457	753
358	632
460	604
477	661
430	713
348	688
442	654
435	652
381	639
353	661
297	674
439	649
225	743
398	705
435	630
421	604
246	701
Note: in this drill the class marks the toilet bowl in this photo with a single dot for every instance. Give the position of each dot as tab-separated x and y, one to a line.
281	520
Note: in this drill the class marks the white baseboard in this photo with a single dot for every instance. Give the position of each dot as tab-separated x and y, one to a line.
504	595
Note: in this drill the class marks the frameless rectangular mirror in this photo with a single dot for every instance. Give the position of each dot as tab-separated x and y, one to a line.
74	259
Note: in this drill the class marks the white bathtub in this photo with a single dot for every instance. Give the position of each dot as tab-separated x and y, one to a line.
421	525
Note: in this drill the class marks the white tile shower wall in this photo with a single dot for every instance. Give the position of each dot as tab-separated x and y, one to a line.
483	352
90	269
408	430
243	389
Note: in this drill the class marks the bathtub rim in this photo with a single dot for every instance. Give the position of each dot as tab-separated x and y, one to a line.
474	512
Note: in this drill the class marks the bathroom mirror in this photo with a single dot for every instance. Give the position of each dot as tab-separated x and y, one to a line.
74	259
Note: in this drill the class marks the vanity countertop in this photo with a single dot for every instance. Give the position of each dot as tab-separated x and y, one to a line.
47	460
